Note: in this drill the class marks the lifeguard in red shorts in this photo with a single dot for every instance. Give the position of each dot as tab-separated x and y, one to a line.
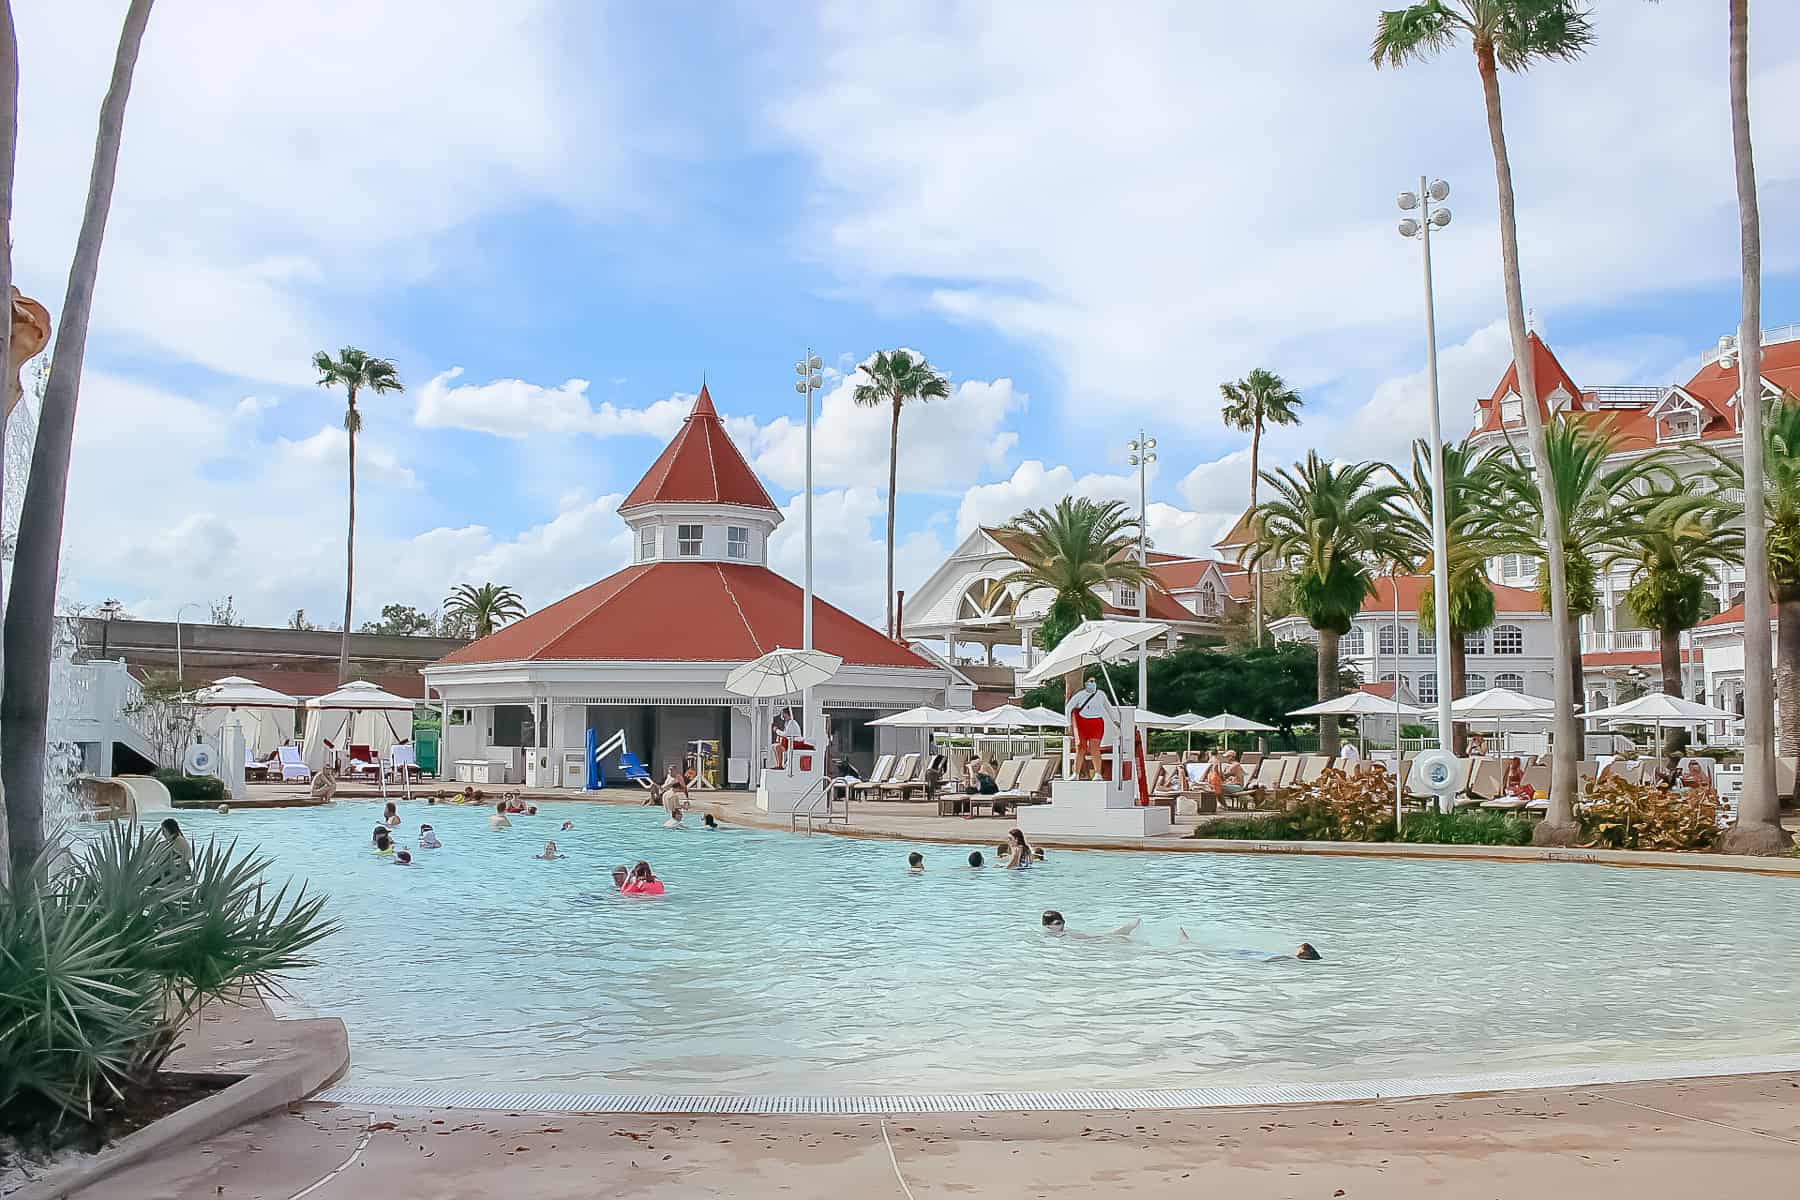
1088	711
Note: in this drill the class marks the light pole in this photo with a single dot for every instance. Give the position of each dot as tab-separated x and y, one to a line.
108	611
1430	219
808	383
1142	454
178	612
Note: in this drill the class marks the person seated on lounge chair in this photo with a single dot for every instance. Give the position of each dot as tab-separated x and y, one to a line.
1478	745
1233	772
1694	775
1513	785
498	819
1055	926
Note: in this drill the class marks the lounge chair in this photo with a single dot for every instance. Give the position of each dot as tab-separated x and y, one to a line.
1311	767
870	788
955	804
1250	759
1487	781
846	787
403	760
292	766
1787	775
911	770
930	778
1032	787
254	767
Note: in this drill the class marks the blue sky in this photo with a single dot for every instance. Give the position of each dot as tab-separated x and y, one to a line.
1087	219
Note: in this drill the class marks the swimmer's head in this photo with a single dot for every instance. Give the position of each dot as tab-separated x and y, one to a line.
915	861
642	871
531	811
424	829
390	810
1053	921
620	875
709	822
404	858
382	841
170	828
975	859
1307	952
1037	855
499	806
567	825
224	810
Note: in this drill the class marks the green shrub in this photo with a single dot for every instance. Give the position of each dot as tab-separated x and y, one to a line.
188	788
103	965
1360	808
1629	816
1468	827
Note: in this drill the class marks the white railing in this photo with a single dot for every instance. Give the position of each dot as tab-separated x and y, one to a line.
1624	397
1619	639
1770	337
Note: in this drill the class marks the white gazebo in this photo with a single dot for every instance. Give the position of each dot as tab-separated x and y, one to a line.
357	714
265	715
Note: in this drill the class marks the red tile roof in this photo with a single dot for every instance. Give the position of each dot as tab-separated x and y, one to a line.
1731	616
1506	599
1177	573
702	465
1384	690
1546	372
689	612
1159	605
1629	658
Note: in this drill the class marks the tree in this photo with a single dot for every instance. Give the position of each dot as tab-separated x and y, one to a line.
9	146
1513	34
1069	551
354	371
1468	525
401	620
1758	829
485	608
895	378
224	612
1258	399
1675	541
298	620
1328	525
31	608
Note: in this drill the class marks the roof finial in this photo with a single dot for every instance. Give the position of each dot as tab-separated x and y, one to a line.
1531	320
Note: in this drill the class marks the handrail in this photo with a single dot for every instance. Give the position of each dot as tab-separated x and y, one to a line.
812	802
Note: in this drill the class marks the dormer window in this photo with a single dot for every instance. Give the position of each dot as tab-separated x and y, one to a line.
1128	596
1512	411
1677	426
647	543
687	541
737	542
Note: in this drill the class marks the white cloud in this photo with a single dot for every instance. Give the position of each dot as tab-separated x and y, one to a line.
943	443
513	408
330	445
849	550
1033	485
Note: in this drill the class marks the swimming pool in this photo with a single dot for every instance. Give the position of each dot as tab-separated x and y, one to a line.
784	963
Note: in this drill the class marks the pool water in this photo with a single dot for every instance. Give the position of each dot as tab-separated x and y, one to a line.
784	963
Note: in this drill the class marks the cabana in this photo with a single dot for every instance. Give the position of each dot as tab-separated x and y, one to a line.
357	714
265	715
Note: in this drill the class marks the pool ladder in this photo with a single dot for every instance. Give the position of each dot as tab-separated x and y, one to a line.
819	804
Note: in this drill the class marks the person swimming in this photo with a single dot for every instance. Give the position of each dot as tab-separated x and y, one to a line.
383	843
915	863
390	816
975	859
1018	850
403	858
550	854
177	840
1055	926
708	821
1305	952
224	810
566	826
674	821
381	830
428	838
643	882
498	819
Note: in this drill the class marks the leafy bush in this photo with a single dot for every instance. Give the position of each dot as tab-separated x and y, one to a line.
186	788
1628	816
1360	808
102	966
1466	827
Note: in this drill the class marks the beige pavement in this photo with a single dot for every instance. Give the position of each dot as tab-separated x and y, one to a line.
1715	1138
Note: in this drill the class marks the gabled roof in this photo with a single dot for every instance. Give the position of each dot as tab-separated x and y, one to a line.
702	465
1239	534
1177	573
1547	374
683	611
1159	605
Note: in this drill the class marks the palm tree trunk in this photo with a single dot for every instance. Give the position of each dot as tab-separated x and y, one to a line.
31	613
1787	668
1558	825
1328	689
893	477
1255	459
349	553
1669	651
9	145
1758	829
1458	684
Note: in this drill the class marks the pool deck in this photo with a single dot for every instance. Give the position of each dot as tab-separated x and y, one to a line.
1716	1137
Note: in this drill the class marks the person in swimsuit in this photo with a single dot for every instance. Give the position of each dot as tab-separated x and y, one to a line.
1018	851
391	816
975	859
1056	927
428	838
642	882
550	854
498	819
383	843
915	863
403	858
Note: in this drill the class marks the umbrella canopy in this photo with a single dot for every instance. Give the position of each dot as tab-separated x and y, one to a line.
924	717
1047	718
1093	642
234	691
1499	704
1007	716
1357	704
782	673
1149	719
359	696
1660	708
1229	723
357	714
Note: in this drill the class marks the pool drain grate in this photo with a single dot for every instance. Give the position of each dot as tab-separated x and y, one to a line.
1064	1101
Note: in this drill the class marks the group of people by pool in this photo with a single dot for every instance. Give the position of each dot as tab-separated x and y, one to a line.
637	880
1014	854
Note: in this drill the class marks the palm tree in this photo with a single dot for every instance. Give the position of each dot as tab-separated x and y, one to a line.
1513	34
355	371
1758	829
485	608
9	146
1069	551
1675	541
1260	398
895	378
31	610
1328	526
1468	522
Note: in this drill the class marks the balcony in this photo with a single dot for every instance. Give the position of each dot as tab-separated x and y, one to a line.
1619	639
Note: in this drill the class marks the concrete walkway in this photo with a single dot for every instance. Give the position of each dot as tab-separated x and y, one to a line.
1715	1138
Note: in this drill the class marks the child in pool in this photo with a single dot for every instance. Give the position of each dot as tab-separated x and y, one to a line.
642	882
383	843
498	819
391	816
549	854
428	838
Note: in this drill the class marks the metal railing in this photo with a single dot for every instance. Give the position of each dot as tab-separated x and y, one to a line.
1770	337
820	804
1624	397
1619	639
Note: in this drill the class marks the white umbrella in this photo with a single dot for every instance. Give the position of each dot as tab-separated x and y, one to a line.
1358	704
1007	716
1049	718
1501	704
923	717
782	673
1148	719
1093	642
1658	709
1227	724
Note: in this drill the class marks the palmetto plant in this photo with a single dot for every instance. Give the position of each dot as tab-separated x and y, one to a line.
354	371
103	965
1069	551
484	608
1258	399
1512	35
895	378
1329	525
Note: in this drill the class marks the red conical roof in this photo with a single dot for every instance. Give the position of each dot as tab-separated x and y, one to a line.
701	466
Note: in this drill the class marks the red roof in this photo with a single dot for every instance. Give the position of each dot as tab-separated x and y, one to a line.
1177	573
1506	599
1731	616
1629	658
1159	605
701	466
683	611
1546	373
1384	690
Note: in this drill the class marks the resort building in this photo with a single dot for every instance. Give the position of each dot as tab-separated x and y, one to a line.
986	627
645	651
1516	652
